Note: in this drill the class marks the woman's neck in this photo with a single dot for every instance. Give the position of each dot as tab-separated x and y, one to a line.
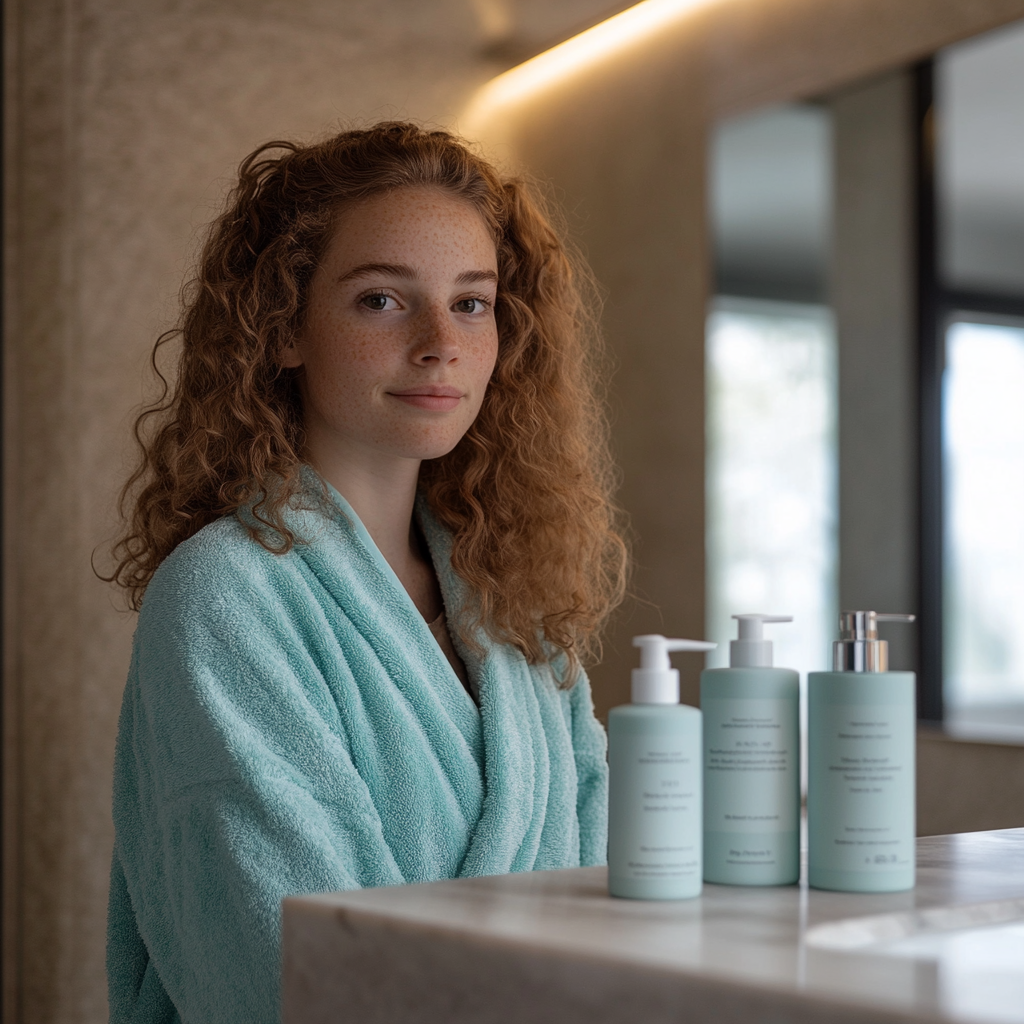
382	492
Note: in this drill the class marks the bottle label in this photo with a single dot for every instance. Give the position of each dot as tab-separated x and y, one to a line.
751	765
655	810
862	787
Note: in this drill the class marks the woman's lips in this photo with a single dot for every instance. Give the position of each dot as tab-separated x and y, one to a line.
436	397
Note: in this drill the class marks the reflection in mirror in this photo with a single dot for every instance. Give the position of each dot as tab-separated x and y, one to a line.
979	88
980	151
984	467
771	383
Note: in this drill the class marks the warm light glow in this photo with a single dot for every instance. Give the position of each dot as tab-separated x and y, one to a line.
616	34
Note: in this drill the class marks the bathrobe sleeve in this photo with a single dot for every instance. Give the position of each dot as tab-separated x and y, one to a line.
234	787
590	744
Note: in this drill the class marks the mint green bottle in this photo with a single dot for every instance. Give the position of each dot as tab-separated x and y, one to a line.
751	763
860	764
654	792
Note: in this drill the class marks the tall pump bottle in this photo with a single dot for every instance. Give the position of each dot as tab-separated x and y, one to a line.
751	763
654	800
860	764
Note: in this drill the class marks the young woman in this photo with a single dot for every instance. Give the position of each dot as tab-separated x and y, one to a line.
371	541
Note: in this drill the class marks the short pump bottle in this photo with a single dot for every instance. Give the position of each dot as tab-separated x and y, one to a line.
860	764
654	760
751	763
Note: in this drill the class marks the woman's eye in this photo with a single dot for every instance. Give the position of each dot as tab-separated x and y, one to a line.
469	306
378	303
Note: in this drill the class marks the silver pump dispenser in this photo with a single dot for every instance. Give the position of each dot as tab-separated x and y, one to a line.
858	648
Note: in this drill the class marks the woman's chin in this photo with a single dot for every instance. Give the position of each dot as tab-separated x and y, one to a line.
424	449
437	452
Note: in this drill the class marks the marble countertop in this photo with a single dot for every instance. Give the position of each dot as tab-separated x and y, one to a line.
553	946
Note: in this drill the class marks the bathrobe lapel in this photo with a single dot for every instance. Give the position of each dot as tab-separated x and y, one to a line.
512	738
522	714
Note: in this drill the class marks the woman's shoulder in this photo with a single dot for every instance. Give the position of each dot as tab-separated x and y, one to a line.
223	544
222	563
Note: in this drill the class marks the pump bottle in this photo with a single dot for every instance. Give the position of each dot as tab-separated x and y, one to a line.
654	759
751	763
860	764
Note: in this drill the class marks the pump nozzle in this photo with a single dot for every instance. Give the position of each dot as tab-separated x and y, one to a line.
858	648
654	650
656	681
751	650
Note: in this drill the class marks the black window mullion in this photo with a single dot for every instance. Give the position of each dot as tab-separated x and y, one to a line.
931	317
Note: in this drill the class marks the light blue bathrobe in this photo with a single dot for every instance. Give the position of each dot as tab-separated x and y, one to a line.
291	726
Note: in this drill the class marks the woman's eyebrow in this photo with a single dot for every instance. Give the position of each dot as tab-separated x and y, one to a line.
476	277
407	272
383	269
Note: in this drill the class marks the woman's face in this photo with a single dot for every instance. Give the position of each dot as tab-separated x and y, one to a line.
399	340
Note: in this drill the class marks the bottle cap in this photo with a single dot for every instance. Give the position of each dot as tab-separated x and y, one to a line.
858	648
656	681
751	650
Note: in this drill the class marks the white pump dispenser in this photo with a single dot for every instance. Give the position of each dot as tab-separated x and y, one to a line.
654	787
656	681
751	763
751	650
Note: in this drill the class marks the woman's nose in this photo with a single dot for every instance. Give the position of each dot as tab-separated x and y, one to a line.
437	338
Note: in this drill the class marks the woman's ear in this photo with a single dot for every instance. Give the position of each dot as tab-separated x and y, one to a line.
290	357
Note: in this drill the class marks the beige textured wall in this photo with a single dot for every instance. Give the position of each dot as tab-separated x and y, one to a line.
125	120
967	787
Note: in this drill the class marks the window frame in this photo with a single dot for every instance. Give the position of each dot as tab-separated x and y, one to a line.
937	307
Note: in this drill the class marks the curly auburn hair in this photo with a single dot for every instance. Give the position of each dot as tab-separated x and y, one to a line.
526	493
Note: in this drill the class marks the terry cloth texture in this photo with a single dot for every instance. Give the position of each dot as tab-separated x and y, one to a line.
289	726
439	631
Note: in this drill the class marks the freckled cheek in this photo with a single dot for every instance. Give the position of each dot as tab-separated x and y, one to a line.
363	348
485	360
347	363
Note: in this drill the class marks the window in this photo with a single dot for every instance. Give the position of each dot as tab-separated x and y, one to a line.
977	326
983	463
771	474
771	384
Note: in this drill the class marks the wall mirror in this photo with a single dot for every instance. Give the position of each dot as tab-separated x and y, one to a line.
865	372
